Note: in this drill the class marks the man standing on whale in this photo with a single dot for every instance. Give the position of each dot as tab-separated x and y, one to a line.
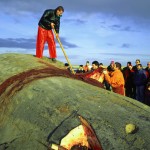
49	20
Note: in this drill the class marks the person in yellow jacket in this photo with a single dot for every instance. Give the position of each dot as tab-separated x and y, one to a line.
115	79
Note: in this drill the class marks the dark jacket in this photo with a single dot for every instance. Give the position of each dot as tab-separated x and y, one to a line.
147	71
140	77
128	77
49	17
147	94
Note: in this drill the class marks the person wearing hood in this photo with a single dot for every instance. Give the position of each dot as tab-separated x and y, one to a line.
49	20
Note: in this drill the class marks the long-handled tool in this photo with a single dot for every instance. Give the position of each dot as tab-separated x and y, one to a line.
63	51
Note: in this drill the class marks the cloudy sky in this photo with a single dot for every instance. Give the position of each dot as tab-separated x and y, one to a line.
89	28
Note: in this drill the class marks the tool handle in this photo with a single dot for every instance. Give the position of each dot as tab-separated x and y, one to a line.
63	51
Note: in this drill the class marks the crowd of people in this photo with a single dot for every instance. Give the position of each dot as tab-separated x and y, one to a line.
131	81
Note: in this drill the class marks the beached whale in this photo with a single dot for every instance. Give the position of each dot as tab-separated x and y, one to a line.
36	97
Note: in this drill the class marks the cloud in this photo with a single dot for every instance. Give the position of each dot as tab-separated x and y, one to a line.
28	43
17	43
125	45
75	21
127	8
118	27
67	44
115	27
109	44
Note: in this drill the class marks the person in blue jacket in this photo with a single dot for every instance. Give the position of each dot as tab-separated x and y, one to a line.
140	80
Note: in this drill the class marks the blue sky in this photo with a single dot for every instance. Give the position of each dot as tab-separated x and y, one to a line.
89	29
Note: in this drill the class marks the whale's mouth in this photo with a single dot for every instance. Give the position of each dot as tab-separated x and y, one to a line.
75	139
81	137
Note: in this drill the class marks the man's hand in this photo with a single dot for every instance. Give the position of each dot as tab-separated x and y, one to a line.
105	71
52	25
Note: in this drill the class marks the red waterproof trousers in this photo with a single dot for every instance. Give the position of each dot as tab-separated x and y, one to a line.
42	37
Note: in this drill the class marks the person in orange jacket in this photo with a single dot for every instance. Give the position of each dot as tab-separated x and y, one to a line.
115	79
49	20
